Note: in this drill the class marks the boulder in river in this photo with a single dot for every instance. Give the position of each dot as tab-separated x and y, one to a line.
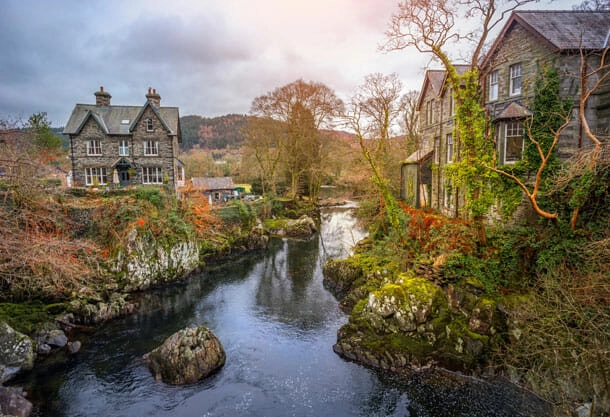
186	356
16	352
13	403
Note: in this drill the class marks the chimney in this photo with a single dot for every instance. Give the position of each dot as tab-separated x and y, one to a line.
153	97
102	98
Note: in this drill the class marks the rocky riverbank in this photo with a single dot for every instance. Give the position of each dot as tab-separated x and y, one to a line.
406	322
141	264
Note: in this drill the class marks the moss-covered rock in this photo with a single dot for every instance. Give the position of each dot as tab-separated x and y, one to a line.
187	356
17	352
302	227
412	322
340	276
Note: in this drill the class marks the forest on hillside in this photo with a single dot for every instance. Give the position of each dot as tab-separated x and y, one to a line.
212	132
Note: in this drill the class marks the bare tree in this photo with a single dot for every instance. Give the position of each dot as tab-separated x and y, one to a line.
303	108
374	114
263	141
593	5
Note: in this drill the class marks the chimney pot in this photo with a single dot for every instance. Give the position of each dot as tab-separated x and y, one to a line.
102	98
153	97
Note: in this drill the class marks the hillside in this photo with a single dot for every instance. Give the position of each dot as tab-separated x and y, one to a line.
212	132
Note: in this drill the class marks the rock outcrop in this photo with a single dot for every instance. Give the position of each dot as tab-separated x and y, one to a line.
17	352
302	227
186	356
98	311
411	322
146	262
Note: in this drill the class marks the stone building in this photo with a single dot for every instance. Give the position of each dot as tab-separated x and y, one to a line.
423	182
112	145
528	42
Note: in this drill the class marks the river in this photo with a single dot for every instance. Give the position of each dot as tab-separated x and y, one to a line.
277	324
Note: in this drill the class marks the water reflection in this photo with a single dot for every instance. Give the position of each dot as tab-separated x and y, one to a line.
277	325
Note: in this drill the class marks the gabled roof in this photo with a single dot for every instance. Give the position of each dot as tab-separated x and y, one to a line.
213	183
436	81
433	82
155	111
561	30
118	120
98	120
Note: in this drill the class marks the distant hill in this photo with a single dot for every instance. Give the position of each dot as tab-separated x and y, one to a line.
212	132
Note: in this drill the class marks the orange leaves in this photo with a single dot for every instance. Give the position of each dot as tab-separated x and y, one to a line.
437	234
198	210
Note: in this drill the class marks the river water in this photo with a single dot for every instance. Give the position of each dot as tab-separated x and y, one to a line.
277	324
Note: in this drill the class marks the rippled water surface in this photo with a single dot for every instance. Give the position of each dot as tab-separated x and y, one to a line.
277	324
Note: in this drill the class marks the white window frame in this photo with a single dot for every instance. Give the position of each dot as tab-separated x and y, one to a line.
493	85
152	175
149	125
101	173
94	147
151	148
124	148
513	130
515	79
449	140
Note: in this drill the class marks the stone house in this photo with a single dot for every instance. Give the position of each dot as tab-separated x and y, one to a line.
423	183
117	145
217	189
528	41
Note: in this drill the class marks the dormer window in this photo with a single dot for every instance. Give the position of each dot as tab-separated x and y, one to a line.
149	125
515	80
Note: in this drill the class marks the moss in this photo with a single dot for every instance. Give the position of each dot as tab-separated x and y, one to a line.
29	317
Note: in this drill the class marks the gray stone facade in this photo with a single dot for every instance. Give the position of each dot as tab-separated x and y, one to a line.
125	145
528	42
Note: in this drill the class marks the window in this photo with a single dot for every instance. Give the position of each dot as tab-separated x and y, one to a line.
429	112
151	175
94	147
515	79
493	86
151	148
513	146
96	176
449	148
437	149
149	125
451	103
124	148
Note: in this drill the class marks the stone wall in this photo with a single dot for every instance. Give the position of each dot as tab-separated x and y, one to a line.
167	146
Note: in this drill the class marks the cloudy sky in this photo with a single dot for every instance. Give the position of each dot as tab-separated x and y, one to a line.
208	57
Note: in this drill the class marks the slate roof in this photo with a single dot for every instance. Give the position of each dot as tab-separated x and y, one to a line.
418	156
213	183
514	111
118	120
561	30
566	29
435	81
